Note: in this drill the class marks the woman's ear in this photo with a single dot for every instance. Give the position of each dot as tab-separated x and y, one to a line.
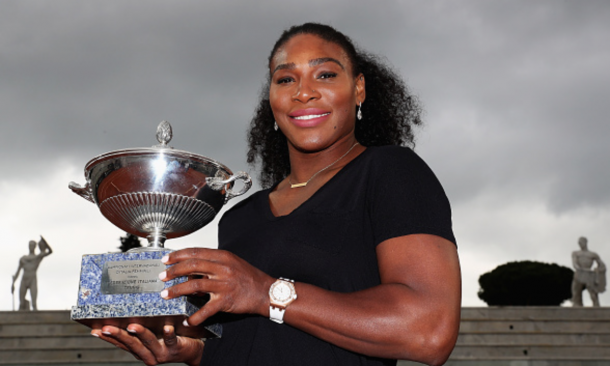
360	89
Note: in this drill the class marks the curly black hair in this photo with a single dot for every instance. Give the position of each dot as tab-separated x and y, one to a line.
389	114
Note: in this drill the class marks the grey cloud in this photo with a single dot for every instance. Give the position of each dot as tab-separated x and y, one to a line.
532	75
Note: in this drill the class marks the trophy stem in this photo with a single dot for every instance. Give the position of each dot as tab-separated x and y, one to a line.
156	239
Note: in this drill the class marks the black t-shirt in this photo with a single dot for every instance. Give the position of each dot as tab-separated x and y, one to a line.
329	241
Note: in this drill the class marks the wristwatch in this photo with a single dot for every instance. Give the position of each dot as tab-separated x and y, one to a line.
281	294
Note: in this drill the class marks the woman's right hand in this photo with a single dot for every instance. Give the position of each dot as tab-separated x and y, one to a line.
145	346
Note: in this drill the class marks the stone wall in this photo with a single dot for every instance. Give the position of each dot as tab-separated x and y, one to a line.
494	336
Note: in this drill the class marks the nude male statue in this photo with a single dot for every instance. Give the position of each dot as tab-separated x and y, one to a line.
29	263
593	279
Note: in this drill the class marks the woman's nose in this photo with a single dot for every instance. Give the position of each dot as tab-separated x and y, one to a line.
305	92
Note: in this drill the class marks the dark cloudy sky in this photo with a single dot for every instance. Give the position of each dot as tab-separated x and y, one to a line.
516	93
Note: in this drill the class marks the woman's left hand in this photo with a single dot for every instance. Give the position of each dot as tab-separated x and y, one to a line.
234	285
144	345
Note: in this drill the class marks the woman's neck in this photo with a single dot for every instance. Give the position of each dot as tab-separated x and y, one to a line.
307	165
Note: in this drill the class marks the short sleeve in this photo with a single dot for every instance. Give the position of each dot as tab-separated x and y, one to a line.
405	197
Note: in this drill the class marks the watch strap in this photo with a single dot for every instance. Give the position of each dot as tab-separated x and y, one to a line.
276	314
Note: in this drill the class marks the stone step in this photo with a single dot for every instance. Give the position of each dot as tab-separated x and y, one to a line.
37	317
535	326
56	342
80	356
42	329
535	313
66	356
570	339
530	352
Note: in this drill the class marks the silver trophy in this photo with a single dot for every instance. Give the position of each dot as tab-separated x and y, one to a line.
157	193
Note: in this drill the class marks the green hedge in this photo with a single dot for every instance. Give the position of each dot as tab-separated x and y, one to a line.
526	283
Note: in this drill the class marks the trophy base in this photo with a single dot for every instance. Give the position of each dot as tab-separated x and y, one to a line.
151	316
123	288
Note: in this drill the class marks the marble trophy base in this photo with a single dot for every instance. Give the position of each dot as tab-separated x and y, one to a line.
123	288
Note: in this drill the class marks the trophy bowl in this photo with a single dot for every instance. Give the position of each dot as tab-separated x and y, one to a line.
157	193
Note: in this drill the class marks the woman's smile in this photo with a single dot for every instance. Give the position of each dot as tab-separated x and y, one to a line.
309	117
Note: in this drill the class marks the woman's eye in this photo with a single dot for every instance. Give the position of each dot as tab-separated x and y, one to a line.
328	75
283	80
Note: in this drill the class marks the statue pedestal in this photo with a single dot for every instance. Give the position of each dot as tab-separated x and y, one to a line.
123	288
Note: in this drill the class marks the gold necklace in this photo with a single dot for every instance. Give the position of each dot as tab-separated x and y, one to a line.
300	185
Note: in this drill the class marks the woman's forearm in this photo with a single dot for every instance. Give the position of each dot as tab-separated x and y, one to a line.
390	321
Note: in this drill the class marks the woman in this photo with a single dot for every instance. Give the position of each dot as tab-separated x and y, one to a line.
363	230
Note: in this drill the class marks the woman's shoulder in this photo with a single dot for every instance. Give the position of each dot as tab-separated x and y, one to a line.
392	156
400	164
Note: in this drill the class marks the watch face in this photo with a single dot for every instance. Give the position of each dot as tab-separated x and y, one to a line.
282	292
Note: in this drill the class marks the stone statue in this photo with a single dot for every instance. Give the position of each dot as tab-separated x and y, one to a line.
585	276
29	263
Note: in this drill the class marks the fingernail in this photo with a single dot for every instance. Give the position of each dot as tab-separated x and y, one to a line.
164	294
165	259
185	323
106	333
131	330
162	275
95	335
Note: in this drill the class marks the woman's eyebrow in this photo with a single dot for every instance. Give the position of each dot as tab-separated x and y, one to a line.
321	60
314	62
289	66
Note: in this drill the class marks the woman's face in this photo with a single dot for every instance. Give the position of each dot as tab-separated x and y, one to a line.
313	93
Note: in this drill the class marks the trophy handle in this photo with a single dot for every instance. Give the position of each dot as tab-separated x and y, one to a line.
218	184
84	192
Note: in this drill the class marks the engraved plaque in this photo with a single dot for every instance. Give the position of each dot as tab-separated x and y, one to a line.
126	277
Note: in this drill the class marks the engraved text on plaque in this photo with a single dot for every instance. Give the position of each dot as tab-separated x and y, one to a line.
132	277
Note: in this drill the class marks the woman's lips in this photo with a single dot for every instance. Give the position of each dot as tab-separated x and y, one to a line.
308	117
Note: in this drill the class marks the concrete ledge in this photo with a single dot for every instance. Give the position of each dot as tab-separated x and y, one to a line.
35	317
535	313
538	339
493	336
